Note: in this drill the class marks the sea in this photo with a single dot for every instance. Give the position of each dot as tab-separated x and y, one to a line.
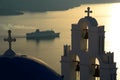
50	51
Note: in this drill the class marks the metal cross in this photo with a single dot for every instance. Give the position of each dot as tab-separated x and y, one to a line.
10	39
88	11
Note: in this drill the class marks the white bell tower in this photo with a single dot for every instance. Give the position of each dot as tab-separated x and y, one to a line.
87	42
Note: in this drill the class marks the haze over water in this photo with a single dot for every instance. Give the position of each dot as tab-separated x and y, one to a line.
51	51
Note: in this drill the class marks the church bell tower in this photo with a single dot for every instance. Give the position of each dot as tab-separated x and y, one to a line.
86	55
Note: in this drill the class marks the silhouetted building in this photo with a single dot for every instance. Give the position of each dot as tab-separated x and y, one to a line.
22	67
86	55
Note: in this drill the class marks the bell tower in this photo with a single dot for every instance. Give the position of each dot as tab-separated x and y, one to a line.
87	43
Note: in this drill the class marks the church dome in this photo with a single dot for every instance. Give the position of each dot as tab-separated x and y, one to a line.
25	68
90	21
9	52
16	67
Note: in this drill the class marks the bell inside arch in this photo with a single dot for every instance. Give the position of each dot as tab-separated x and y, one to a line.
97	71
77	67
85	35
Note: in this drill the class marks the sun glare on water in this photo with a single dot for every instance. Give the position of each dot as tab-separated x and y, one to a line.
114	33
114	27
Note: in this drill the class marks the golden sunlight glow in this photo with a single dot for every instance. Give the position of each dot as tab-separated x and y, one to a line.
113	32
115	9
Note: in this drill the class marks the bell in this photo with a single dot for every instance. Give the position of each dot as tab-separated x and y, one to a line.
85	36
77	67
97	72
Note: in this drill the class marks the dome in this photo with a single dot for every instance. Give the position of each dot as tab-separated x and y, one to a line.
25	68
9	52
91	21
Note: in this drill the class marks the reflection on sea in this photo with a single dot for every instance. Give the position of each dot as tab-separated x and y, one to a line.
37	40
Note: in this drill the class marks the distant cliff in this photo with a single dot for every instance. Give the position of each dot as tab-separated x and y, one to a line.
38	5
6	12
43	5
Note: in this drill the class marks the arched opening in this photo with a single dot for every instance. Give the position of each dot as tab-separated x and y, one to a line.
84	41
85	25
96	73
77	69
85	36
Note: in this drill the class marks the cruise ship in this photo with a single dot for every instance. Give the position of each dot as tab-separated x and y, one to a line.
48	34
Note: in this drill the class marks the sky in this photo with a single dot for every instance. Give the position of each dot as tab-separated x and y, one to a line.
45	5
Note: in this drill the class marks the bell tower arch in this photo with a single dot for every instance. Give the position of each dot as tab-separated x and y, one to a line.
87	42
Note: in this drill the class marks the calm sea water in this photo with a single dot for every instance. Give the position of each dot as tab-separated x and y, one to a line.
51	51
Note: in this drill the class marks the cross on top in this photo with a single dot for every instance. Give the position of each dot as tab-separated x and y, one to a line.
10	39
88	11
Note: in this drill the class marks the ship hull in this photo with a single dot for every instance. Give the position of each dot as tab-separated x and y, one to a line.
28	36
50	34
